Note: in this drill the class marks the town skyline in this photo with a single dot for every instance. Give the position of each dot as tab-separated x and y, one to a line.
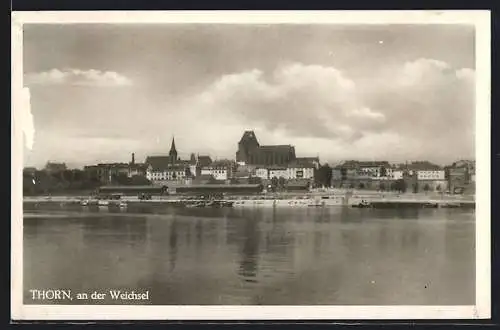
396	93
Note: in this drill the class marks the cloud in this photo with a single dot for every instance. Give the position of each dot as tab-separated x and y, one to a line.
426	105
76	77
422	109
303	100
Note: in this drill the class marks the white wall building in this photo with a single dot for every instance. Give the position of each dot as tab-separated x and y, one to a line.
165	174
431	175
300	172
397	174
262	173
278	172
219	172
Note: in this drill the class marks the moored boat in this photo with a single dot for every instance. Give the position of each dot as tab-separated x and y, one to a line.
103	203
362	204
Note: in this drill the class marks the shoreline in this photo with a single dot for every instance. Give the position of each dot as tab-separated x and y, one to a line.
295	200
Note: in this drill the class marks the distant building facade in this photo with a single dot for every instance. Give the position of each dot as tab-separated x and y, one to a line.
252	153
462	176
220	170
107	172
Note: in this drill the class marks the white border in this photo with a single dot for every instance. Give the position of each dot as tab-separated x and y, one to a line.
482	307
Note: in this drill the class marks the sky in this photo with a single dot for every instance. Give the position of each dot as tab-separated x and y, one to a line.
371	92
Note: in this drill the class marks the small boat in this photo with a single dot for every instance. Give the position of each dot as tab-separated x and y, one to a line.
430	205
451	205
122	205
196	204
362	204
103	203
84	202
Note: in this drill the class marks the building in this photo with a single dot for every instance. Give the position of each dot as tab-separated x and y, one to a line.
136	168
362	175
170	168
252	153
108	172
301	172
278	172
220	170
167	173
462	177
162	161
306	162
262	172
436	175
375	169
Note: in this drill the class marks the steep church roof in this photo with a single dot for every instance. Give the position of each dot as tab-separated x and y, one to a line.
158	162
172	147
249	136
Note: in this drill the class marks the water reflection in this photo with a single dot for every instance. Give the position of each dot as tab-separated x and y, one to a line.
249	251
258	256
173	244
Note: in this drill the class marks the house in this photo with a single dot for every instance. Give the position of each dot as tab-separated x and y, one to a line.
301	171
220	170
278	172
167	172
262	172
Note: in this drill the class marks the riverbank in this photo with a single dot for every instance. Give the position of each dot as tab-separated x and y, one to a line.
276	200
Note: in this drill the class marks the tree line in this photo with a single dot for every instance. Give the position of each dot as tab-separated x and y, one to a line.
71	181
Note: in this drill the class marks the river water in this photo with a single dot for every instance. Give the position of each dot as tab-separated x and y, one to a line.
326	256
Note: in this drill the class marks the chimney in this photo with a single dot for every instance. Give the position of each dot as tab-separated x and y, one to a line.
133	158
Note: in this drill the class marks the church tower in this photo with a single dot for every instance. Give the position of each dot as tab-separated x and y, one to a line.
173	152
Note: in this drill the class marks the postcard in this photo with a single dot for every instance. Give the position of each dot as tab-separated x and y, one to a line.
250	165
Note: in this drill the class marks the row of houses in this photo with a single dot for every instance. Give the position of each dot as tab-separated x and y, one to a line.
418	175
171	168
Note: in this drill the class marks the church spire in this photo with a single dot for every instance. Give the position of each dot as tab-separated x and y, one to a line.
173	151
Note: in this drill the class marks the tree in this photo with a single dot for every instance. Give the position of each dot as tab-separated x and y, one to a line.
323	176
212	180
415	187
254	180
383	171
274	181
121	179
139	180
393	186
382	186
361	185
427	187
281	182
400	185
438	188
